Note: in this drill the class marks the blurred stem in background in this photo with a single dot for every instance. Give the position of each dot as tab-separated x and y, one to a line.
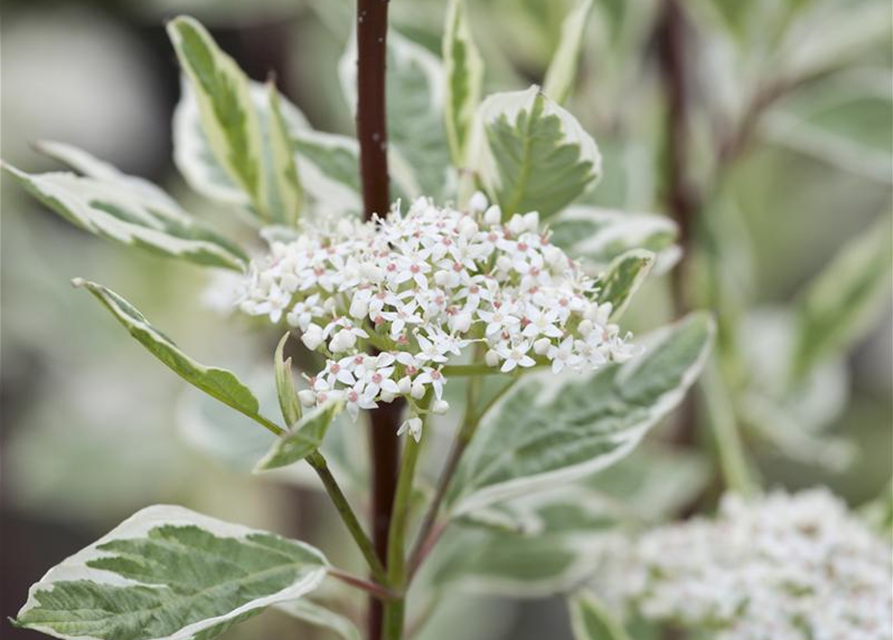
372	28
687	202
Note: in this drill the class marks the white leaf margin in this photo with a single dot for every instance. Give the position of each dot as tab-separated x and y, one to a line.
633	229
138	526
192	151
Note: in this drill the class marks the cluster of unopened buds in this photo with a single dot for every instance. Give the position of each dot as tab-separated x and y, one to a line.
419	288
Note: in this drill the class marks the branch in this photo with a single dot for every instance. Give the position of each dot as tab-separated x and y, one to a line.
372	134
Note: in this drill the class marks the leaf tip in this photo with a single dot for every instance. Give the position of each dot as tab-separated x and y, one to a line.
78	283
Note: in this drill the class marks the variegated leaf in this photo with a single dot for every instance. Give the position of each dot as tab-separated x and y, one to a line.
125	209
330	166
563	69
598	235
546	543
531	154
218	383
554	429
229	120
545	554
622	279
592	620
845	299
302	439
168	573
286	193
464	69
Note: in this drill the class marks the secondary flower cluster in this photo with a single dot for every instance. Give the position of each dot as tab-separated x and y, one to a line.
786	567
420	288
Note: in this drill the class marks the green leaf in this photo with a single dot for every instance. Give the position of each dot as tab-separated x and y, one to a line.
591	620
287	195
330	165
837	122
831	35
197	161
218	383
285	387
464	69
563	69
418	153
170	573
232	440
546	543
598	236
531	154
551	549
845	299
229	120
793	418
554	429
125	209
320	616
622	279
303	438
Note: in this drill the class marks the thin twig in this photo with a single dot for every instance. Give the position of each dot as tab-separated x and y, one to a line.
372	588
319	464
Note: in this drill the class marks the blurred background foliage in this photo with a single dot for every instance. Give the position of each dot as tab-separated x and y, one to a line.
92	428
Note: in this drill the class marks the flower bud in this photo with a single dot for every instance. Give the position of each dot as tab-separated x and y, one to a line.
493	215
440	406
307	397
477	202
313	337
491	358
541	346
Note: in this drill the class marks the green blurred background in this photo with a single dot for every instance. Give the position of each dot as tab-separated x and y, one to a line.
93	429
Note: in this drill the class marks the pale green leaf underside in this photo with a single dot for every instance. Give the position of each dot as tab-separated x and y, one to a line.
554	429
168	573
598	236
562	70
591	619
125	209
304	438
464	70
218	383
539	545
319	616
531	154
845	299
549	548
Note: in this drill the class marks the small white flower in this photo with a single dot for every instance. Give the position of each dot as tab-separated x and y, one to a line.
515	356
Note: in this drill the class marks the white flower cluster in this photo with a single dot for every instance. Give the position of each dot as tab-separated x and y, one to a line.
785	567
421	287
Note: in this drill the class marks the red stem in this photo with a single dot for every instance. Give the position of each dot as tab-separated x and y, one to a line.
372	28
